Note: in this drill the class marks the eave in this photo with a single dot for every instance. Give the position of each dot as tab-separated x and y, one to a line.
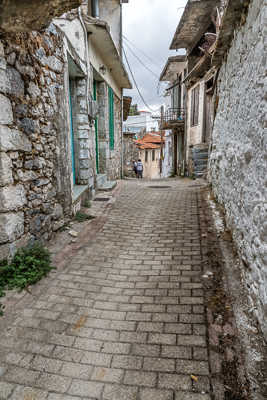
230	20
193	24
201	67
101	38
167	72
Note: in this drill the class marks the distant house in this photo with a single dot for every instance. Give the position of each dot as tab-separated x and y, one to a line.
151	153
141	123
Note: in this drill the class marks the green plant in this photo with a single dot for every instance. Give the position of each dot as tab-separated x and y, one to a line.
87	204
28	266
82	217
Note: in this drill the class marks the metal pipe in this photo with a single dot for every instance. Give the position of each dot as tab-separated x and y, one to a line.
95	8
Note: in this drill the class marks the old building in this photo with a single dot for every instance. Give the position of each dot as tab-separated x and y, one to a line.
151	153
141	123
60	119
225	115
173	119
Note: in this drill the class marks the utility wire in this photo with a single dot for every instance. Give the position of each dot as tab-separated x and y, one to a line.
141	51
141	62
137	88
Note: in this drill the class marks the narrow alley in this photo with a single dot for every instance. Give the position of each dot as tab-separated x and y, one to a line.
124	318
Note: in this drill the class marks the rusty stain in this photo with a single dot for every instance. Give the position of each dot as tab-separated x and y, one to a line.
101	373
29	397
80	323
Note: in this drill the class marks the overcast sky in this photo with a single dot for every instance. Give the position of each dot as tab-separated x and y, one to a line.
149	25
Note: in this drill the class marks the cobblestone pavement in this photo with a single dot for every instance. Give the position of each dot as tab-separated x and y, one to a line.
124	320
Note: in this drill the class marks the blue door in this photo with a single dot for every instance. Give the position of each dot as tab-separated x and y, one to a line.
72	137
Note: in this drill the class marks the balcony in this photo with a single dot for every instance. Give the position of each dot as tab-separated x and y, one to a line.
173	118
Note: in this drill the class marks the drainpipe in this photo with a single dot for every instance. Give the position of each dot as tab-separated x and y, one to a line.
95	8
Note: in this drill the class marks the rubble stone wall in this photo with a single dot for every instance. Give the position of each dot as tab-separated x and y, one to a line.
35	189
238	160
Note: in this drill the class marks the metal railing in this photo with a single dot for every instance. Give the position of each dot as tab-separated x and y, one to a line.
174	115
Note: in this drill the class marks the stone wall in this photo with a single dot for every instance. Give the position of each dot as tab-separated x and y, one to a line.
130	153
35	162
238	160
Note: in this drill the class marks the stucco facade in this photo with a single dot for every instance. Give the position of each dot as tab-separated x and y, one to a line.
238	159
151	163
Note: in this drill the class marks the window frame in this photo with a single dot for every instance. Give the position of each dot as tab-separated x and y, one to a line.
111	118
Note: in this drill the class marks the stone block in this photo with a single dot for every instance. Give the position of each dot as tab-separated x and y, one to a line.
84	174
33	90
3	81
58	211
6	177
6	114
26	176
12	198
16	83
84	154
13	140
29	125
11	226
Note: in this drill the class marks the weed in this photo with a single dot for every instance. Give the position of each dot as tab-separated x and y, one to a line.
87	204
28	266
82	217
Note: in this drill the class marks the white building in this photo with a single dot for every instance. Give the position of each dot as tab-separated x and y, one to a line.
144	122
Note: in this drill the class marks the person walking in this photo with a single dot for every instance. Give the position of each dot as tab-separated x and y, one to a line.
139	169
135	167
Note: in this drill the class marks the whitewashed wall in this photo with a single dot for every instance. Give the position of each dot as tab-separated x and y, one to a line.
238	161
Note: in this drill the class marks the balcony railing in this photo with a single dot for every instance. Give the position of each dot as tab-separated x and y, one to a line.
173	117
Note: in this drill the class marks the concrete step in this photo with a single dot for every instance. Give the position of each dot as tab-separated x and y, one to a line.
107	186
101	179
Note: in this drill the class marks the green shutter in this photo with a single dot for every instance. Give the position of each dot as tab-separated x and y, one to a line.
96	133
111	118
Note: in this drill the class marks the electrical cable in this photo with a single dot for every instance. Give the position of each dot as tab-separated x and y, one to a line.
144	54
141	62
137	88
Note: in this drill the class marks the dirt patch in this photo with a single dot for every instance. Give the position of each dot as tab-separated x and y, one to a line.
228	375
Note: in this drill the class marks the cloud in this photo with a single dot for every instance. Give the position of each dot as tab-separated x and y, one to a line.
149	25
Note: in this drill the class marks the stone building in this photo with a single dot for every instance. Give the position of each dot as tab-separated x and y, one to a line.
60	119
225	111
173	120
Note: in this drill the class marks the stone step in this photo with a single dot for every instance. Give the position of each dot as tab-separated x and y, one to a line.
107	186
101	179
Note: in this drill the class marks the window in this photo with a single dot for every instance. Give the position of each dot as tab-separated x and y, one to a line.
153	155
146	156
194	106
111	118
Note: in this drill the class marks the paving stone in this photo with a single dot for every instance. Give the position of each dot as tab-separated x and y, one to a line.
192	367
191	396
176	382
53	382
112	375
140	378
176	352
87	389
159	364
155	394
125	319
161	338
76	370
119	392
127	362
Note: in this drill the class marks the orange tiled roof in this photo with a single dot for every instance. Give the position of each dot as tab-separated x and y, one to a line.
149	146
